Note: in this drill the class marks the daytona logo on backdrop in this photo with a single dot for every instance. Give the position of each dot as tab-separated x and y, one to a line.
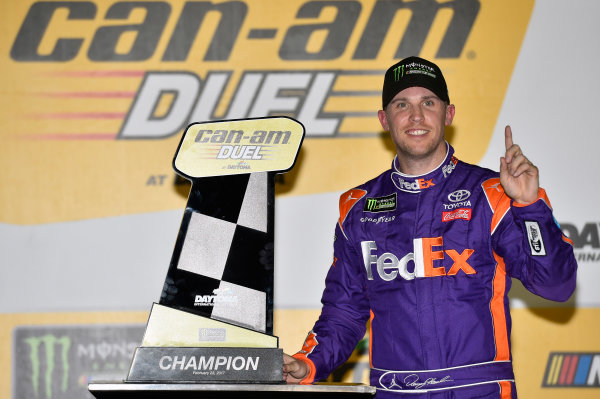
586	240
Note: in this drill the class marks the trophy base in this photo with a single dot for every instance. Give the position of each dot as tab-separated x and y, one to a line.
119	390
206	365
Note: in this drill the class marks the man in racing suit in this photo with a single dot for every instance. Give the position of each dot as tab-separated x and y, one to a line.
426	252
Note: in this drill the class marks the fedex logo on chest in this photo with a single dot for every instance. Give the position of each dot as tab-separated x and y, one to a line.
426	258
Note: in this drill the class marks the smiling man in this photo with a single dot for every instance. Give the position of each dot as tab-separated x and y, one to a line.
426	252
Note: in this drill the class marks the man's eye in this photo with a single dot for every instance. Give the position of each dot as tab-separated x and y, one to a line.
429	103
402	105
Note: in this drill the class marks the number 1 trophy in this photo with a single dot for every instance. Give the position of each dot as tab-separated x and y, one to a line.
214	320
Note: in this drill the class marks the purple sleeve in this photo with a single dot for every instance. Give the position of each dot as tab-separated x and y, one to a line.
535	251
345	310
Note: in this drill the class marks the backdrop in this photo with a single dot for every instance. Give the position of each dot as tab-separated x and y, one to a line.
96	94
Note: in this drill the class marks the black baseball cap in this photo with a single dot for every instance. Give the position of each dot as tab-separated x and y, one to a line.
411	72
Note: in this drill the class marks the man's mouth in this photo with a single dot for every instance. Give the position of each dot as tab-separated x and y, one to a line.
417	132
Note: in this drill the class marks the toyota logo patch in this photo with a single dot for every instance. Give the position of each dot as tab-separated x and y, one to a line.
459	195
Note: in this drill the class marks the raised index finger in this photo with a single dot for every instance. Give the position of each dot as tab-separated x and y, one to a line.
508	141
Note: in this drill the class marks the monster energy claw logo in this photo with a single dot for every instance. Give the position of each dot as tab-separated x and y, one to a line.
55	347
380	204
398	72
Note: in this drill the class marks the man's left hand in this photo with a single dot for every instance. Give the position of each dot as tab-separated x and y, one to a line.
518	176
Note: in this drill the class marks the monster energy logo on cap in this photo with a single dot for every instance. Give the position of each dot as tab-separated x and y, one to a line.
413	72
413	67
380	204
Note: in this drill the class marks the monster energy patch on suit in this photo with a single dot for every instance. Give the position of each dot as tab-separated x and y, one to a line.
380	204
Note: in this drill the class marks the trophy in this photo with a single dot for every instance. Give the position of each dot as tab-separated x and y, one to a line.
211	333
214	320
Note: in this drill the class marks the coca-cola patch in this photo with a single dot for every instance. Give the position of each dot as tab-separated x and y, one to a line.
460	213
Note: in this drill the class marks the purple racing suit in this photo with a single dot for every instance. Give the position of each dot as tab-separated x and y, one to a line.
428	260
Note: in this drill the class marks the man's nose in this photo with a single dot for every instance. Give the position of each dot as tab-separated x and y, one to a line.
416	114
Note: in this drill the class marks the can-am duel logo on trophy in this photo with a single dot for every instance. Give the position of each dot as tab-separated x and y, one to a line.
214	321
219	148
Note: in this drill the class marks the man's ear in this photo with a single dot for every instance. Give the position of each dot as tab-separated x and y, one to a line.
450	110
383	120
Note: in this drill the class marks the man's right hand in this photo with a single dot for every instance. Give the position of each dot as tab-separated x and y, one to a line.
294	370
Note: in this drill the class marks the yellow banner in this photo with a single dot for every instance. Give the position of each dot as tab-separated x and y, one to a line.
95	94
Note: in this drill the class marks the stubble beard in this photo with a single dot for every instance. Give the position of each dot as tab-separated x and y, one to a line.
429	155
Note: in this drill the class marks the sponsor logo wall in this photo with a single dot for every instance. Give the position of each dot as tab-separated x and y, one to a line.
96	95
573	370
58	362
